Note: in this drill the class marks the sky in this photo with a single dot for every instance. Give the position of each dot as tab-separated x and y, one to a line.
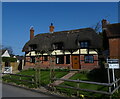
18	17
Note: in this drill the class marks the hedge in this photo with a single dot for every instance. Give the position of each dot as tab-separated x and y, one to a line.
8	59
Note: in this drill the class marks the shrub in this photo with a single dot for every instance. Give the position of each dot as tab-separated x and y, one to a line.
99	75
9	59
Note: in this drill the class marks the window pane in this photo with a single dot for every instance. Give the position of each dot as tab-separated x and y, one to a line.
59	59
89	59
33	47
58	46
67	59
45	58
32	59
83	44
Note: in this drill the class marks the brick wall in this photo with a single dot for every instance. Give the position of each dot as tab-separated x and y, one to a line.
46	64
89	66
28	63
14	66
114	47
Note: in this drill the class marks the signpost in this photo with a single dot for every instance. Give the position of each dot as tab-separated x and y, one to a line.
112	64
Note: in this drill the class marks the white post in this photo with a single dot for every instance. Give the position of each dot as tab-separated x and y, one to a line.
113	76
22	63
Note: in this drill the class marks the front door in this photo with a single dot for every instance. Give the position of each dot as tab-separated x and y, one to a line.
75	62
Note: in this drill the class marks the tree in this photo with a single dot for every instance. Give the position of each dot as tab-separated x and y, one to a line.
9	48
97	27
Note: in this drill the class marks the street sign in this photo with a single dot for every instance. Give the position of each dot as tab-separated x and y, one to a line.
113	63
115	66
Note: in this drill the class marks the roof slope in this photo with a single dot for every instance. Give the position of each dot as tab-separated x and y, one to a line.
69	38
113	30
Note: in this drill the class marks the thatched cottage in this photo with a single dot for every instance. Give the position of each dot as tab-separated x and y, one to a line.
74	49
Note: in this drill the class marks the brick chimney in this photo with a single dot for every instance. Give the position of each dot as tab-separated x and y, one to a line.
104	23
31	33
51	28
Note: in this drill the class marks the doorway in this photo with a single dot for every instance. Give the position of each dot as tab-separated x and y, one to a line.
76	62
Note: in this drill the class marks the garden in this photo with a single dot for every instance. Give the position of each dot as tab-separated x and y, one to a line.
44	79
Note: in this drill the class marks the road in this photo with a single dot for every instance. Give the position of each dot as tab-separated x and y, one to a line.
12	91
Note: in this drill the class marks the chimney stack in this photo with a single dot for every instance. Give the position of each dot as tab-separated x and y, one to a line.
104	23
51	28
31	33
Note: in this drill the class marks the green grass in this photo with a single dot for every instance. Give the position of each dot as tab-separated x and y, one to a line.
116	95
45	77
81	76
45	80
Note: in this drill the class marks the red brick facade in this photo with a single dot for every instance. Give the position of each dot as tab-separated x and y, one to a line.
89	66
114	47
48	63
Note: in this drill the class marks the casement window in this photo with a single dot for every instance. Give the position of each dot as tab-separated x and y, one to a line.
33	47
59	59
84	44
32	59
89	59
58	46
45	58
67	59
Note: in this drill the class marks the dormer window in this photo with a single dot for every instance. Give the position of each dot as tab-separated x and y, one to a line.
33	47
84	44
58	46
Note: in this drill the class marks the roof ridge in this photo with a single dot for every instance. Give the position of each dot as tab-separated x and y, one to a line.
113	24
75	30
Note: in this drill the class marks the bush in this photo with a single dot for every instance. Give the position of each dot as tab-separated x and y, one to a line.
9	59
99	75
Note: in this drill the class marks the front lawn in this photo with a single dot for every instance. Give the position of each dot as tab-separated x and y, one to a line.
45	80
44	77
85	77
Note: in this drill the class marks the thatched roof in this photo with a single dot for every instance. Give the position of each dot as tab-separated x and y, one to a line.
113	30
68	38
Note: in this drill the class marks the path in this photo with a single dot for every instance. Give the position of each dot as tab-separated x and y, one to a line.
64	77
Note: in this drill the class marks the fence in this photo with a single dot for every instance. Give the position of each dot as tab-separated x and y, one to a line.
19	77
35	79
109	85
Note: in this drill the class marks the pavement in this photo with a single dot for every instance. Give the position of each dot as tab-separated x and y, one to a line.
15	91
12	91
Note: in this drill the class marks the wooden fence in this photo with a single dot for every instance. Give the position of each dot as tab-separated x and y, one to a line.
19	77
34	79
112	87
109	85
